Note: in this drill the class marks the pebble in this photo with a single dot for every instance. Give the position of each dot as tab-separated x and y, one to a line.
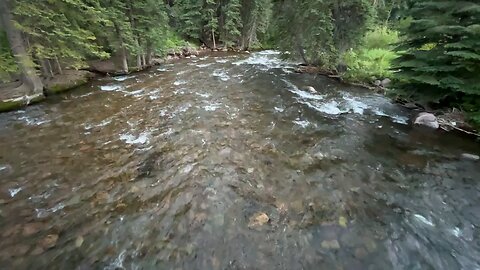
259	219
330	244
79	241
49	241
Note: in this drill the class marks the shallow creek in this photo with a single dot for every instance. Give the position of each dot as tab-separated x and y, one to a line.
224	162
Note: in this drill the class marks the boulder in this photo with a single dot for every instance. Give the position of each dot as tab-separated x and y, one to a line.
311	89
471	157
386	82
68	80
427	120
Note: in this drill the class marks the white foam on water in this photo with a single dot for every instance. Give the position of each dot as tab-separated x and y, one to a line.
33	122
204	65
142	138
278	109
204	95
212	107
181	72
162	69
179	82
264	60
3	167
456	232
111	87
302	123
222	61
14	191
123	78
303	94
423	220
221	74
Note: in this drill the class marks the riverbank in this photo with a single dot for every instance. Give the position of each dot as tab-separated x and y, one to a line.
448	119
14	95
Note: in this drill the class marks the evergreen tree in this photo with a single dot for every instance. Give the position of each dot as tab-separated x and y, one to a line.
211	19
440	57
233	23
188	16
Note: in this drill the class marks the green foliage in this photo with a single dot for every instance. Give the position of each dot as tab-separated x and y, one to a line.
188	17
320	31
373	59
233	24
7	62
440	55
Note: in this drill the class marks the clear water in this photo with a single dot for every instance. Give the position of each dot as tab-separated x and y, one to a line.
166	169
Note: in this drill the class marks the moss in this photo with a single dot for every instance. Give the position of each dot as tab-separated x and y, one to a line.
10	105
65	86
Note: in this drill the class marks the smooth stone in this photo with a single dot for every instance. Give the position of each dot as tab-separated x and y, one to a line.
259	219
330	244
470	156
427	120
311	89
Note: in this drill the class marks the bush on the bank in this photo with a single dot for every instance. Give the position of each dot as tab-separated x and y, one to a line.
373	59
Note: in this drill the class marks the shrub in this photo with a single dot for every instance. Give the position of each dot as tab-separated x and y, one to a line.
373	59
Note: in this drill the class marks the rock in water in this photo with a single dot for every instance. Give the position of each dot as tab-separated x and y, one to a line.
258	219
427	119
470	157
311	89
330	244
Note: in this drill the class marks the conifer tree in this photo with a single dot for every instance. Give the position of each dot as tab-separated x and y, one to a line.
233	23
440	57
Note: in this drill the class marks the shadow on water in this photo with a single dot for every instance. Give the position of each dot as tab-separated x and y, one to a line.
225	162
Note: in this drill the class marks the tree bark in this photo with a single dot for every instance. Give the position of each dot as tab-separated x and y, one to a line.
58	66
122	50
213	38
24	61
46	68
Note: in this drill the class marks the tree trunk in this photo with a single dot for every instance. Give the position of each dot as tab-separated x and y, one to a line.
122	50
58	66
46	68
213	38
149	54
24	62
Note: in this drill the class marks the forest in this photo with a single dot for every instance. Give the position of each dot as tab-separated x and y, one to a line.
429	49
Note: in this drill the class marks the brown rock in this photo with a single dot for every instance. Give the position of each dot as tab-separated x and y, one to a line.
32	228
259	219
49	241
37	251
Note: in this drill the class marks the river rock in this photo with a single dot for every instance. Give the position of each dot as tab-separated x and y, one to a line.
330	244
311	89
386	82
470	156
427	120
259	219
49	241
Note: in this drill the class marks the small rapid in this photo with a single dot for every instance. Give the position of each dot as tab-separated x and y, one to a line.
226	161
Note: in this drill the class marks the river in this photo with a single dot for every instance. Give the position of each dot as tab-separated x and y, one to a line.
224	162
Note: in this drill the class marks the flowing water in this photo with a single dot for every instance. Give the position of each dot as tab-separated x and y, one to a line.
224	162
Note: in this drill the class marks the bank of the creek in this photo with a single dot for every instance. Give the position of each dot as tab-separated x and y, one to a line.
224	162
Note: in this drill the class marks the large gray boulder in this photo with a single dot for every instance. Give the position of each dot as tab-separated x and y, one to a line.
427	120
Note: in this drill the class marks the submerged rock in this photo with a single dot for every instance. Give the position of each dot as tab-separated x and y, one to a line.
427	120
470	156
259	219
330	244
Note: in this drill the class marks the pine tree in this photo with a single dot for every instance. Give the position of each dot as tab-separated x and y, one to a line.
440	57
211	19
30	80
233	23
188	17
